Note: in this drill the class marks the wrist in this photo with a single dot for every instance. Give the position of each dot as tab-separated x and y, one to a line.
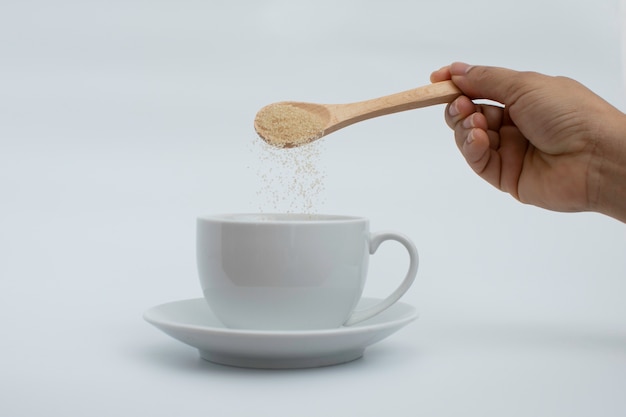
609	198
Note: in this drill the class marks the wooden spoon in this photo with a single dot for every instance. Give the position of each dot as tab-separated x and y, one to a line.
291	123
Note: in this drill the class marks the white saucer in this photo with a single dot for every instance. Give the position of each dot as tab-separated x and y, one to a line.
193	323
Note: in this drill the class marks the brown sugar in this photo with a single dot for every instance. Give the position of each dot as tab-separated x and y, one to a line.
284	125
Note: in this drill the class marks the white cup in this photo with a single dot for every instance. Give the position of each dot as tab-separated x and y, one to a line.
290	271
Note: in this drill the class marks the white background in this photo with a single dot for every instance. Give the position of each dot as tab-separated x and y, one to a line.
121	121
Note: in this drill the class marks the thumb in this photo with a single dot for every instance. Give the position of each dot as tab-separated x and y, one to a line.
482	82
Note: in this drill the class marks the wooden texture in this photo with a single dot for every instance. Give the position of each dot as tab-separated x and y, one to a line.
343	115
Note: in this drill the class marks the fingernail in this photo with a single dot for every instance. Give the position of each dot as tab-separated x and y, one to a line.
453	110
468	122
470	138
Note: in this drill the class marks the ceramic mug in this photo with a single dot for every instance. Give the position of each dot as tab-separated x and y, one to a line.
290	271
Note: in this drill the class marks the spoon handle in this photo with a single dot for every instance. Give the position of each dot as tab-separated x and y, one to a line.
428	95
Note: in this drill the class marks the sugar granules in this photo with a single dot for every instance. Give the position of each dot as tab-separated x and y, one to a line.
290	180
286	125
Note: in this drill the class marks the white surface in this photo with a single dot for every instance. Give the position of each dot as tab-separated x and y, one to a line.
121	121
193	323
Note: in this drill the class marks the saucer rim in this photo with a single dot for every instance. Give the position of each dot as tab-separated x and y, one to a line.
411	315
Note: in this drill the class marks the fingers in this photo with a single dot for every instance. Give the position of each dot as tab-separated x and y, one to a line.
458	110
480	156
491	143
462	115
470	131
500	84
474	140
477	135
483	159
441	74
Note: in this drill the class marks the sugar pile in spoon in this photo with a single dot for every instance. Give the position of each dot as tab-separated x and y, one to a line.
284	125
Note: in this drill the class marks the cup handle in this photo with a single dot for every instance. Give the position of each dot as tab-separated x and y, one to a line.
374	242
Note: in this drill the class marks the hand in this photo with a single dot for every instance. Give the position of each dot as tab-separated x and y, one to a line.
547	145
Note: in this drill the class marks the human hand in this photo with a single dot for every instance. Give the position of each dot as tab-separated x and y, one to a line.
548	145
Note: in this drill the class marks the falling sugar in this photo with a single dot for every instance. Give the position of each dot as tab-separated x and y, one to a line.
290	179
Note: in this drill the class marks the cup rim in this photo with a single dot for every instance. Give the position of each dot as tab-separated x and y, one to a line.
280	218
